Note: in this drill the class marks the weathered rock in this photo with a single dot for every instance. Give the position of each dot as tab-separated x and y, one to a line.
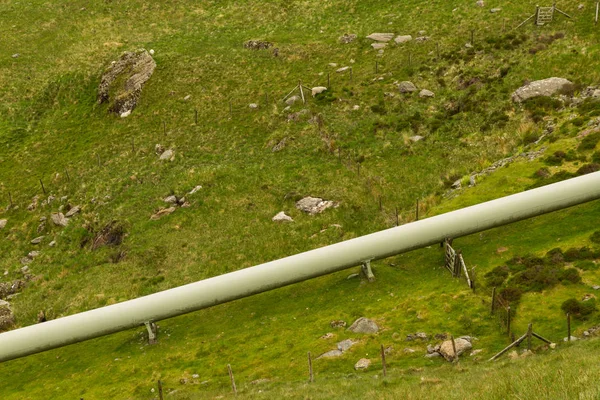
573	338
378	46
403	39
544	87
52	243
345	344
280	146
170	199
416	138
364	325
596	287
7	319
338	324
328	335
257	44
167	155
130	72
433	355
159	149
480	3
33	254
447	351
37	240
292	100
475	352
253	106
195	189
314	205
3	223
408	350
73	211
282	217
495	10
347	38
426	93
362	364
422	38
407	87
16	55
343	69
59	219
381	37
331	354
161	213
318	90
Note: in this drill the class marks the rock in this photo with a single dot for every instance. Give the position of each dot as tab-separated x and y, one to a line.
378	46
422	33
433	355
33	254
513	355
167	155
416	138
186	98
588	297
314	205
130	73
345	345
408	350
468	45
343	69
279	146
161	213
431	349
125	114
596	287
151	51
362	364
581	6
257	44
381	37
159	149
421	335
52	243
475	352
526	353
195	189
253	106
544	87
338	324
356	108
426	93
403	39
347	38
422	39
171	199
282	217
16	55
495	10
292	100
331	354
447	351
480	3
318	90
407	87
457	184
364	325
7	319
25	270
573	339
553	346
472	181
326	336
37	240
352	276
59	219
73	211
3	223
332	65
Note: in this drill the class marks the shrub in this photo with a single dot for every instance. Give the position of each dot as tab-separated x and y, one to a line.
511	294
542	173
586	265
579	309
589	142
596	157
588	169
497	276
556	158
582	253
569	275
595	238
536	279
555	256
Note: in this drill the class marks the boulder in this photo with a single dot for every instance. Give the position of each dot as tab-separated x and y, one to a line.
122	82
7	319
544	87
282	217
407	87
318	90
59	219
426	93
364	325
314	205
381	37
362	364
403	39
345	344
447	351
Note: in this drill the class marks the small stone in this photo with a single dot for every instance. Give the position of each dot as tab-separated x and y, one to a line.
381	37
195	376
151	52
59	219
352	276
25	269
161	213
3	223
347	38
282	217
447	350
7	318
475	352
553	346
480	3
362	364
167	155
170	199
433	355
186	98
37	240
426	93
421	335
33	254
194	190
457	184
364	325
416	138
408	350
253	106
422	39
573	339
468	45
356	108
581	6
343	69
314	205
16	55
495	10
344	345
52	243
73	211
403	39
126	114
472	181
596	287
291	100
326	336
332	65
378	46
407	87
318	90
338	324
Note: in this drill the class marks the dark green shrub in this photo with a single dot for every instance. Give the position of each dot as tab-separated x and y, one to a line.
588	169
555	159
589	142
586	265
582	253
596	157
536	278
579	309
511	294
555	257
569	275
595	238
497	276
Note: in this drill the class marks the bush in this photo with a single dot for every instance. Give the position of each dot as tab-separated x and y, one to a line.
511	294
555	256
579	309
595	238
596	157
497	276
555	159
586	265
589	142
569	275
588	169
536	279
583	253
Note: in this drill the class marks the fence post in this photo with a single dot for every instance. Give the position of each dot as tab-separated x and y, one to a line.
397	218
231	378
383	361
328	82
196	116
417	210
160	390
164	128
568	327
10	199
310	369
493	300
508	320
43	188
529	331
455	359
67	173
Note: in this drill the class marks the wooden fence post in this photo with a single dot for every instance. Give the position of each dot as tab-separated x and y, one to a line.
328	82
10	199
529	332
568	327
397	218
508	320
455	358
164	128
383	361
160	390
231	378
417	210
196	116
310	369
43	188
67	173
493	300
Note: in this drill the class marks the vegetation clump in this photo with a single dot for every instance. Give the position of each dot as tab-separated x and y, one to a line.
581	310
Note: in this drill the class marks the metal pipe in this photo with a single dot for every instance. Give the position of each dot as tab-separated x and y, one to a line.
246	282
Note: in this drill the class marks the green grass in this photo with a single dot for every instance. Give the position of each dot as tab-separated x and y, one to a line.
51	129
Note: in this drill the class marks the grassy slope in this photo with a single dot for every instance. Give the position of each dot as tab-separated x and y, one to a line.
49	123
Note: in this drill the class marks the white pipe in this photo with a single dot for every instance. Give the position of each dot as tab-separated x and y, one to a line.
246	282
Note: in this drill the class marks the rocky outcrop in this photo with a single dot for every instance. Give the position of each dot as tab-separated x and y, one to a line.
314	205
364	325
122	82
544	87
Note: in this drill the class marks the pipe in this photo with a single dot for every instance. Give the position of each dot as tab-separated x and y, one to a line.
246	282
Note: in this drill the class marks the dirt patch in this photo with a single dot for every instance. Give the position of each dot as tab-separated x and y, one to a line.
111	235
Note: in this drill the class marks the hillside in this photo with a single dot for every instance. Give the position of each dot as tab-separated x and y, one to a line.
247	155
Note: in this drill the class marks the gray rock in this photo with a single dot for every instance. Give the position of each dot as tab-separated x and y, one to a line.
364	325
416	138
167	155
407	87
422	39
433	355
544	87
378	46
33	254
352	276
343	69
338	324
480	3
25	269
292	100
7	319
253	106
421	335
52	243
331	354
282	217
596	287
347	38
381	37
468	45
195	189
408	350
475	352
318	90
314	205
73	211
3	223
59	219
170	199
280	146
472	181
426	93
573	339
403	39
37	240
362	364
457	184
345	344
495	10
447	351
16	55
